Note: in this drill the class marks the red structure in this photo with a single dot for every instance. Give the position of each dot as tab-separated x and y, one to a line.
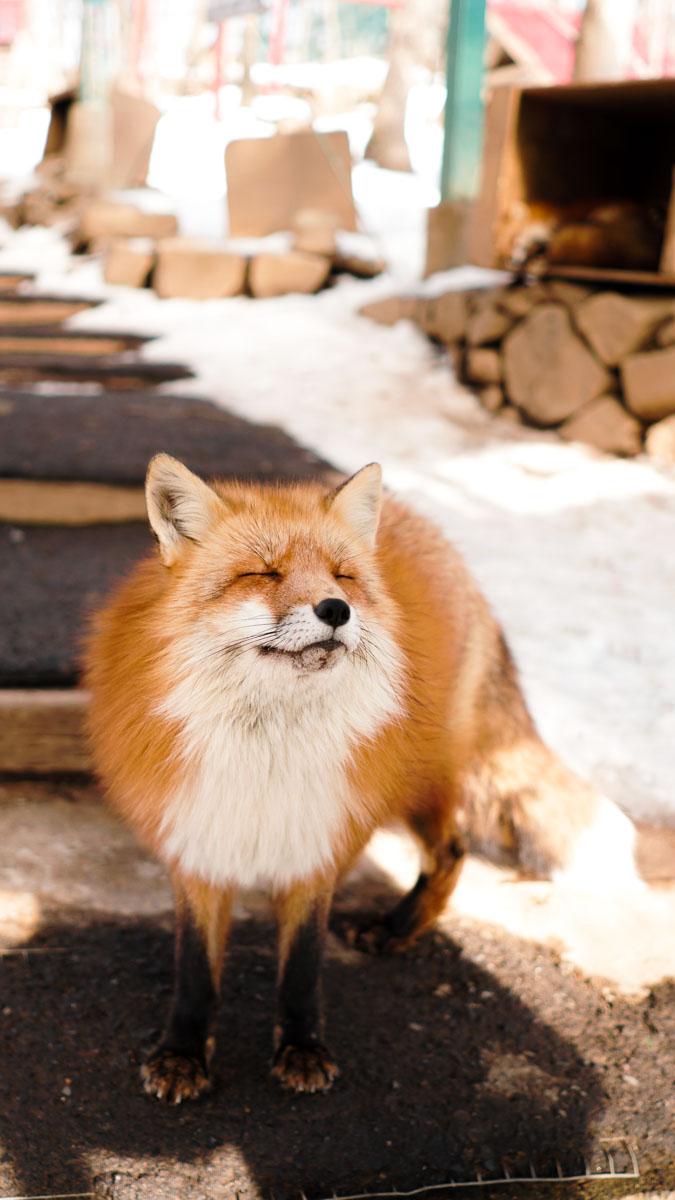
546	37
12	20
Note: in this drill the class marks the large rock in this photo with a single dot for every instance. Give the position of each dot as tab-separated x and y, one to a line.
129	261
280	274
492	397
445	317
605	424
483	365
616	325
649	384
520	299
549	372
487	324
393	309
660	440
666	333
566	292
197	270
106	219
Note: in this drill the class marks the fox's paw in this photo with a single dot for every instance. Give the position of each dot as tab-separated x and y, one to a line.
174	1077
305	1068
373	935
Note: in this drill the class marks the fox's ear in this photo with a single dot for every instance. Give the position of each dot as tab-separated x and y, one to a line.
180	505
358	501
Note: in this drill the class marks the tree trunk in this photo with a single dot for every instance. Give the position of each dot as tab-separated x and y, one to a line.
605	43
387	145
417	40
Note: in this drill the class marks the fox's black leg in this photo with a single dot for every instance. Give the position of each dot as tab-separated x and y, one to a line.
177	1069
301	1061
418	909
444	850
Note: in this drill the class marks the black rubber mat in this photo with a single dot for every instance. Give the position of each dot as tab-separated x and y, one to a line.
110	437
51	579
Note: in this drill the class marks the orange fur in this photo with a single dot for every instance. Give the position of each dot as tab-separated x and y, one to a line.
434	723
423	595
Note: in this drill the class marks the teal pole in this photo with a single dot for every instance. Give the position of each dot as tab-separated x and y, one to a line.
463	127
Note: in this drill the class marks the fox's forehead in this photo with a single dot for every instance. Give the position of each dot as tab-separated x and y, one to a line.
296	541
293	524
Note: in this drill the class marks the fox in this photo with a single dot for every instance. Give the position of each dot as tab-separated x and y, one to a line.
294	668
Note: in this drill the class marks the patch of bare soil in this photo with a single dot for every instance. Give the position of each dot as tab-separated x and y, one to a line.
473	1053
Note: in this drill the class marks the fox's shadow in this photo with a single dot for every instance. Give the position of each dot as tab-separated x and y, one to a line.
419	1039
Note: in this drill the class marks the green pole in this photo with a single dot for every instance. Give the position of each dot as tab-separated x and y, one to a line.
463	140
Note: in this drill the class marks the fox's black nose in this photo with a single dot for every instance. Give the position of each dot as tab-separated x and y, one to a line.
334	612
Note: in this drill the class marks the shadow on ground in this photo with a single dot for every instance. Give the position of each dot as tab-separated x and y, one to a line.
445	1073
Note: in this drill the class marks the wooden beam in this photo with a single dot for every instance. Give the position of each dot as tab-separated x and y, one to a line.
9	280
43	732
609	275
28	502
43	339
114	376
40	310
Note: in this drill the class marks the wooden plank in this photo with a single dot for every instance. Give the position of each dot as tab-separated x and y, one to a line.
42	732
667	263
44	338
11	279
29	502
72	368
499	123
39	310
448	228
658	279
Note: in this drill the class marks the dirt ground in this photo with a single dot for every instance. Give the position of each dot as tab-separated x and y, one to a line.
478	1053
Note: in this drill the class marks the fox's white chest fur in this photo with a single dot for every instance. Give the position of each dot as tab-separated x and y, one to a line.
266	793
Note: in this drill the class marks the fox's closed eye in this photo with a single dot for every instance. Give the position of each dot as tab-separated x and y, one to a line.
339	575
259	575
